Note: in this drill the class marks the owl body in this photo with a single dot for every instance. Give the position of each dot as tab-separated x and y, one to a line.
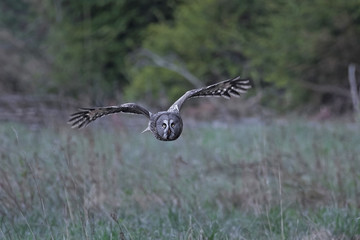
165	125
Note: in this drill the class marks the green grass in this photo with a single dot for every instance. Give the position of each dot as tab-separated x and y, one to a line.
278	181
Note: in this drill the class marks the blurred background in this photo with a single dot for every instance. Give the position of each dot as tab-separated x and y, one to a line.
280	162
63	54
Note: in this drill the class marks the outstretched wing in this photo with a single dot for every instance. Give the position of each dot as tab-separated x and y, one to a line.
231	87
87	115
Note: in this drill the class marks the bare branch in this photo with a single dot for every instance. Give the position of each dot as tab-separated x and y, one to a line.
165	63
326	88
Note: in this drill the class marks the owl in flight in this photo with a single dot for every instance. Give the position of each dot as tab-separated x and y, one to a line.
165	125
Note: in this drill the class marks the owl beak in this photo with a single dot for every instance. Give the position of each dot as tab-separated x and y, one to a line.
168	132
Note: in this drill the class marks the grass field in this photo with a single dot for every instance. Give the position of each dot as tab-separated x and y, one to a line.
293	180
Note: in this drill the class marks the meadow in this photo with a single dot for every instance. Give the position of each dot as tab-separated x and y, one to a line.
281	180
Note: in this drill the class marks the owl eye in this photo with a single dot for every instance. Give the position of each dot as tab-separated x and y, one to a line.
172	125
163	125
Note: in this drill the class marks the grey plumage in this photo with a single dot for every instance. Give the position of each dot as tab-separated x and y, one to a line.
86	115
165	125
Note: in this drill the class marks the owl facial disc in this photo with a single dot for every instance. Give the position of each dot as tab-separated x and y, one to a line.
166	126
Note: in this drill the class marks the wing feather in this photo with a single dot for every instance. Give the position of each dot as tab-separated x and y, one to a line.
87	115
228	88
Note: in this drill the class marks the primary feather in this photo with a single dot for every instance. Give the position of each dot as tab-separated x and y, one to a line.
231	87
86	115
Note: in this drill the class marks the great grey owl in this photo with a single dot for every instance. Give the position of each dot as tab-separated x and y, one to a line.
165	125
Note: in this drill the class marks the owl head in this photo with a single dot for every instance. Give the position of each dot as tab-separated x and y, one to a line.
166	126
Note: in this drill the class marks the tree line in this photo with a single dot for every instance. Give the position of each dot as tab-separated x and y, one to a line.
297	52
